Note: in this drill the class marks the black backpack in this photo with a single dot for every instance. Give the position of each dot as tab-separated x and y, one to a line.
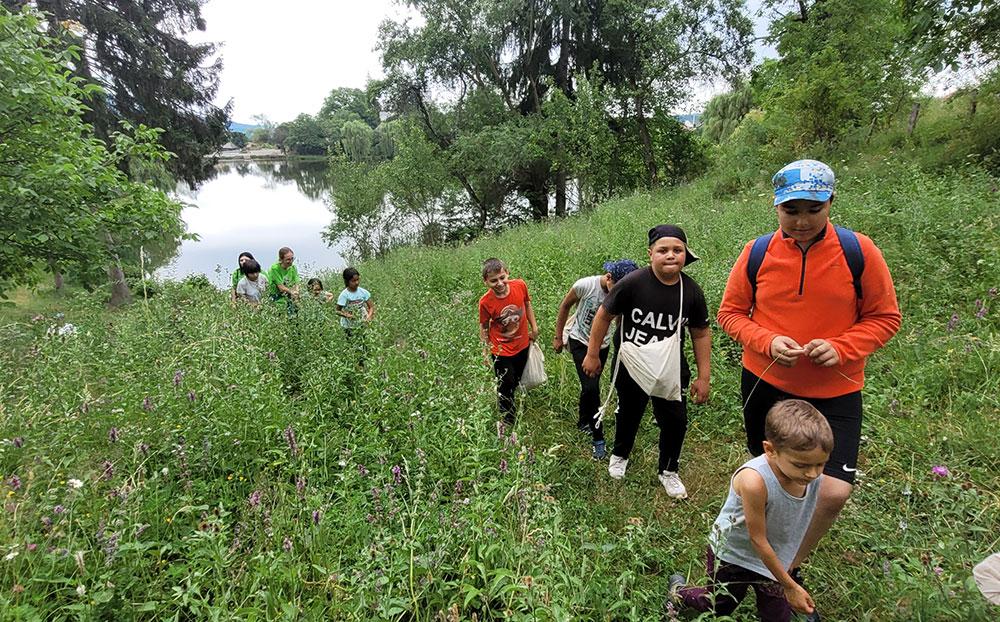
848	243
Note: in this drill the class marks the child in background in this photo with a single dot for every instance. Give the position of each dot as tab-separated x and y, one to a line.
587	294
354	305
253	286
316	289
507	327
238	272
769	507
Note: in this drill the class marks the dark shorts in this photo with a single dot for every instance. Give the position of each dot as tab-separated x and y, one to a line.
843	413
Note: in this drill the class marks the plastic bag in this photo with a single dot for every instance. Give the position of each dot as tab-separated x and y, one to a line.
534	369
656	367
987	575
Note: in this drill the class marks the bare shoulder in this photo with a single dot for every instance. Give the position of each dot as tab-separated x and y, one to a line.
749	484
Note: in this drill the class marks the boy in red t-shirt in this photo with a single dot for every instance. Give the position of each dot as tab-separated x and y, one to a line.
507	327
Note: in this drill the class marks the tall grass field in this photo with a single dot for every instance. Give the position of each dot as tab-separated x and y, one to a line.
187	459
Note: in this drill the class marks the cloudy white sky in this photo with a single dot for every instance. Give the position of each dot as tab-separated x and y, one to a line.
282	58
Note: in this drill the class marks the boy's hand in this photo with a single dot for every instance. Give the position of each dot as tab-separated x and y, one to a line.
799	599
557	343
700	390
533	334
592	365
822	353
786	351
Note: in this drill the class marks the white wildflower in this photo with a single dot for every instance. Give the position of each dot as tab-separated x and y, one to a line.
75	483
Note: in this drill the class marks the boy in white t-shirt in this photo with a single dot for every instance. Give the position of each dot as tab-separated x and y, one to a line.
253	286
587	294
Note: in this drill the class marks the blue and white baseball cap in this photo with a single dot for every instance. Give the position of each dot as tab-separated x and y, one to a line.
803	179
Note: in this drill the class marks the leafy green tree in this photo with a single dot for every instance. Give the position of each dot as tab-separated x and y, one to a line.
238	138
354	101
66	203
723	113
305	136
138	52
946	32
356	140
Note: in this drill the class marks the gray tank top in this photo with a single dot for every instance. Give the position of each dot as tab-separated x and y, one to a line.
787	519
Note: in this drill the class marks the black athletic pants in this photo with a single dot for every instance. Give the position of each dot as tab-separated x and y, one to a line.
508	370
843	413
590	388
671	417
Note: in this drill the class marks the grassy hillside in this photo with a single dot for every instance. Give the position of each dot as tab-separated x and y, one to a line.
240	465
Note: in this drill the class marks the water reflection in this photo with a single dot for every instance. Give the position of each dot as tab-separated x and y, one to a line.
257	207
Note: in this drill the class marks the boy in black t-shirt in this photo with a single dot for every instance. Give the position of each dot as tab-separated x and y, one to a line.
648	301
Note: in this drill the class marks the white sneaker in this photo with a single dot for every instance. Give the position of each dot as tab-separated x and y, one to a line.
616	468
673	485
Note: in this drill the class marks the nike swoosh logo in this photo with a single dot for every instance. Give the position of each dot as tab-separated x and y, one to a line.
849	470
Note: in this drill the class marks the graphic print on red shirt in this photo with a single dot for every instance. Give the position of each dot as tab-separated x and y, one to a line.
508	326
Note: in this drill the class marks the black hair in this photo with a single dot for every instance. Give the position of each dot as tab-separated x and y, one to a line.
246	254
313	281
250	267
350	273
492	266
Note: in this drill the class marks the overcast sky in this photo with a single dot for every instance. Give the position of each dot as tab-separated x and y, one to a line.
282	58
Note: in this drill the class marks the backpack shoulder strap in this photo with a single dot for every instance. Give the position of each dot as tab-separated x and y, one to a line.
852	253
757	252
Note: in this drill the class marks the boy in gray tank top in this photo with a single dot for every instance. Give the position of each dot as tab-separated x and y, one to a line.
758	532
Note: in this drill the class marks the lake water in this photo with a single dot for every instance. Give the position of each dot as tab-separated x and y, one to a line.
257	207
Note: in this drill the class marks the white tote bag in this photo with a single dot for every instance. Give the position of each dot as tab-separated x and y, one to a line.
534	369
656	366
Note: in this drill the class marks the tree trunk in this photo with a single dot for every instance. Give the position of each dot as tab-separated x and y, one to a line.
973	100
914	113
648	158
560	193
120	293
57	277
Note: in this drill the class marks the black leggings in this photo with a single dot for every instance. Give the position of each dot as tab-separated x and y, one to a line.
590	388
671	417
508	370
843	413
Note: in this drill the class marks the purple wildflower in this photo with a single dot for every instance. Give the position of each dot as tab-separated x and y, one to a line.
107	470
15	482
18	442
46	521
192	396
503	465
940	471
994	292
980	309
938	570
254	499
300	485
178	377
147	404
362	471
59	509
113	435
953	322
500	430
458	487
272	355
290	439
31	546
397	474
287	544
143	448
317	515
111	548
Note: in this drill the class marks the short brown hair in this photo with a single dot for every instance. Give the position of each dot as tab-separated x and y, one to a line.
492	266
284	250
797	425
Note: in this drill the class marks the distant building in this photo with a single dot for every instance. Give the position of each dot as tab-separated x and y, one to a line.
228	148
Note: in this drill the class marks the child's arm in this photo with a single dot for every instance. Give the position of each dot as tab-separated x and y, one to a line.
701	342
370	308
532	324
598	329
342	313
752	490
567	303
